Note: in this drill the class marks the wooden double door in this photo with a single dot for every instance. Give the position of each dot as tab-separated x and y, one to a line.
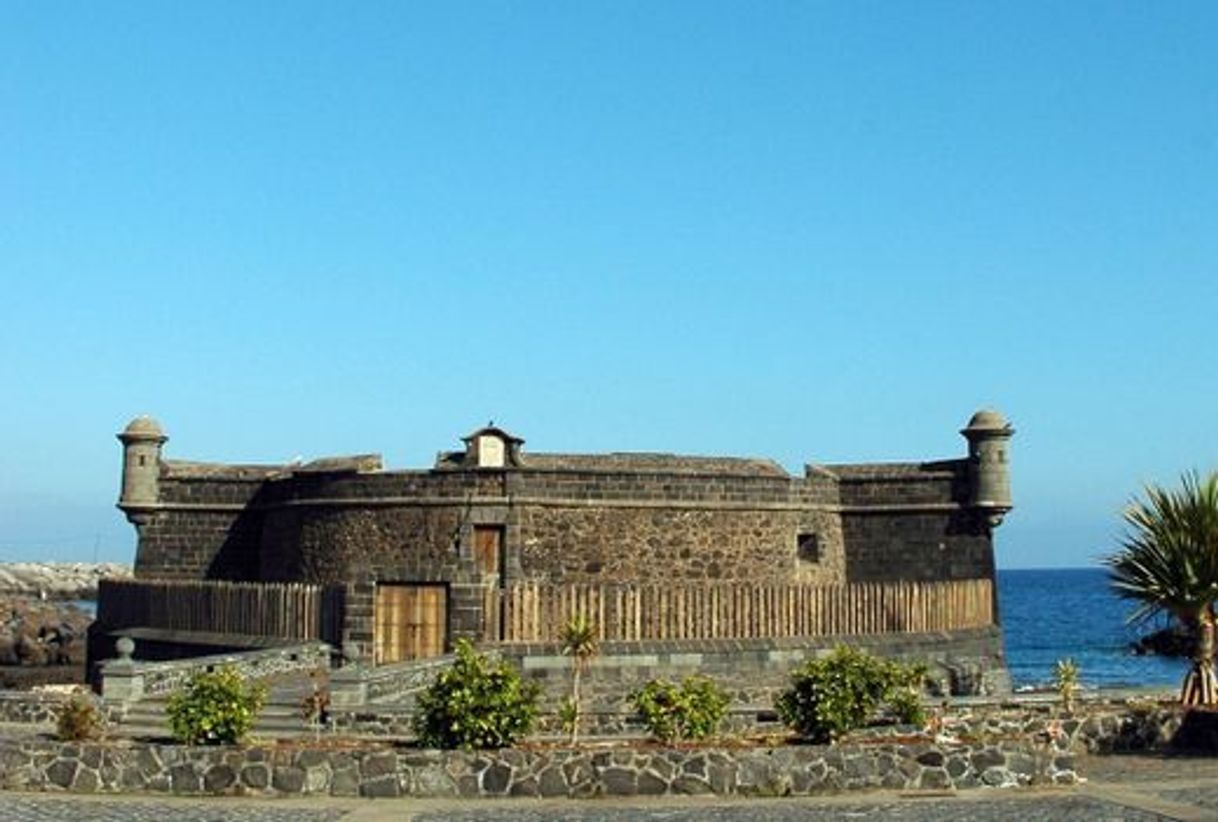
411	621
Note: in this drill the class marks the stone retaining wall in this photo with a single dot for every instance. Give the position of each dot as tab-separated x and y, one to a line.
24	707
753	671
382	771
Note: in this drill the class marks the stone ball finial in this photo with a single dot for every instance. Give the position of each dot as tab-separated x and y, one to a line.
125	646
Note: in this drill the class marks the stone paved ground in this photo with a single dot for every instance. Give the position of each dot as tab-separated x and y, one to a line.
1128	788
43	808
1046	809
28	808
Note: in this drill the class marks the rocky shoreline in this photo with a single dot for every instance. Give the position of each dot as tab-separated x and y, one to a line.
43	631
57	580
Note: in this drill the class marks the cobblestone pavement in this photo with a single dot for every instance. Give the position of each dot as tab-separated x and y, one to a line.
43	808
1200	796
1048	809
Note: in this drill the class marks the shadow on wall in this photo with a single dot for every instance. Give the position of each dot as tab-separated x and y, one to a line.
238	559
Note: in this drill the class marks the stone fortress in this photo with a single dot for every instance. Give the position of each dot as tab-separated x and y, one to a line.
415	552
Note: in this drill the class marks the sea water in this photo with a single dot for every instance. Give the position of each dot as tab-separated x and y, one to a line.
1051	614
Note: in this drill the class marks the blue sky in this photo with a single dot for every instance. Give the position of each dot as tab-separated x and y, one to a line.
810	231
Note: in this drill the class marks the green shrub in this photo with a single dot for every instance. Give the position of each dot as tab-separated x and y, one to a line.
568	716
476	704
906	705
691	711
832	696
79	719
215	708
1066	681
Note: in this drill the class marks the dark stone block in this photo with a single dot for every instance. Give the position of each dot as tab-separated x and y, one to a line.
551	782
957	766
344	782
131	779
495	779
256	775
382	786
987	758
219	778
997	776
619	781
62	772
86	781
184	779
288	779
690	785
1021	763
378	765
650	784
312	758
525	787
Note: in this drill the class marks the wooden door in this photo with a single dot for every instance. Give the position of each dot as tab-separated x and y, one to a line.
488	551
411	621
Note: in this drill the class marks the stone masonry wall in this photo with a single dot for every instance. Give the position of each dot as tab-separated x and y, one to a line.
329	545
599	544
886	547
753	671
910	522
862	522
207	529
380	771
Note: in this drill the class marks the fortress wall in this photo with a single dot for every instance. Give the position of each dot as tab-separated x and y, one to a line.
912	522
573	526
932	546
604	544
390	543
203	529
601	526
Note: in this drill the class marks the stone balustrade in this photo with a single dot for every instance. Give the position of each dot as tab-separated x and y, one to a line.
126	680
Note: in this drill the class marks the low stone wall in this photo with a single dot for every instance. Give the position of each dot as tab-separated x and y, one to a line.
754	670
1098	727
798	770
31	708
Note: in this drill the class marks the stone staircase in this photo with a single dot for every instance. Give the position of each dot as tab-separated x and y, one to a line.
280	718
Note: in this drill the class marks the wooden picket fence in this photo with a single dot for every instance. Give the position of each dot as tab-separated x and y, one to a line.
536	612
284	611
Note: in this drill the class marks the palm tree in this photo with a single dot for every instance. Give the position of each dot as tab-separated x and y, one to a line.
1168	563
579	641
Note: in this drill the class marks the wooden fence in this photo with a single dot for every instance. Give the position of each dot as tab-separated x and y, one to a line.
537	612
285	611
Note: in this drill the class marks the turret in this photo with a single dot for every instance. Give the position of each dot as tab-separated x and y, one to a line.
142	440
988	435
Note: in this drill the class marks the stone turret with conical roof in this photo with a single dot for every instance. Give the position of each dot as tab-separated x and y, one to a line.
142	440
989	434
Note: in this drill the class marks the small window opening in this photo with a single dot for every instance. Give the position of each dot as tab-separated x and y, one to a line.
807	548
142	460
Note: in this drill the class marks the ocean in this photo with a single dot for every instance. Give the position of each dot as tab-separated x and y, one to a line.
1049	614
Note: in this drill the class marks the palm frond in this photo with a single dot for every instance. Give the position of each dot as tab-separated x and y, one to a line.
1168	557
